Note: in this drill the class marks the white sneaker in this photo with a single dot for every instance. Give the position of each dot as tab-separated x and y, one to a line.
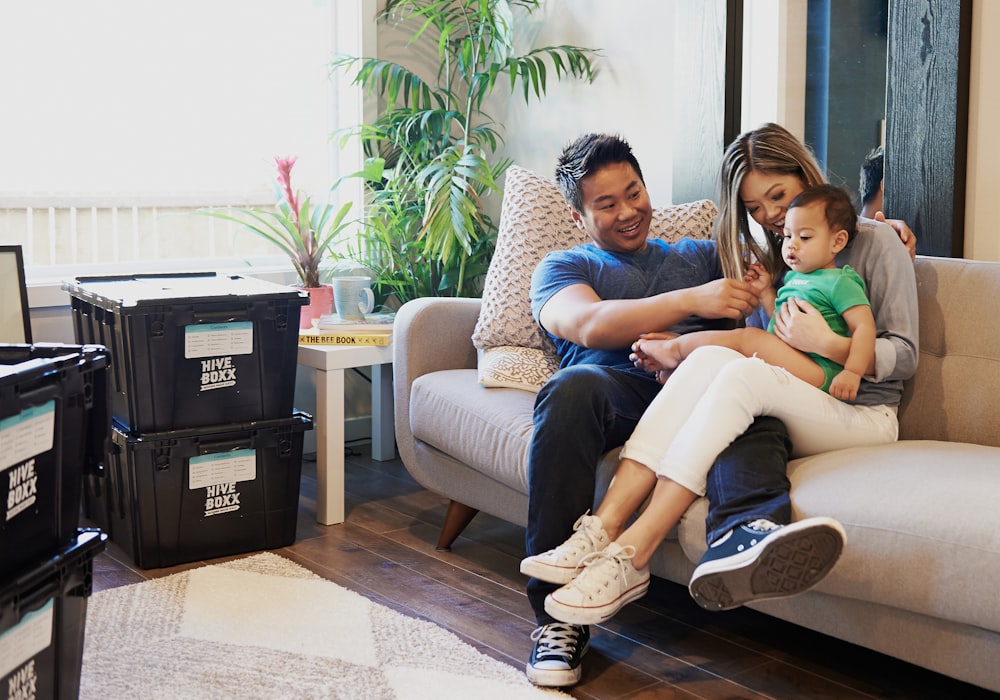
607	583
561	564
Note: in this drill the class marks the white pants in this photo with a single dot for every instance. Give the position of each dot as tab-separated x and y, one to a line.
713	397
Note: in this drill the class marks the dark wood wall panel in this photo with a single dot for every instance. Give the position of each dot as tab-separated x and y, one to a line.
927	98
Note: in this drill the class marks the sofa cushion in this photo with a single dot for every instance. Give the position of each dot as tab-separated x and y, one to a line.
488	429
920	531
958	376
534	219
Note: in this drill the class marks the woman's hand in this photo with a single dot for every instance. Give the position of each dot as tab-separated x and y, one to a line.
904	232
799	324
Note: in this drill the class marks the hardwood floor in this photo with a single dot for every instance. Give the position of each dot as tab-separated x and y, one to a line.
663	646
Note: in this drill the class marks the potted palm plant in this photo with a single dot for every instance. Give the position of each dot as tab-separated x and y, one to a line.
427	231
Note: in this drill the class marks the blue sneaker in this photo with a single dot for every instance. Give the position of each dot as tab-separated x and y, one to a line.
557	654
761	560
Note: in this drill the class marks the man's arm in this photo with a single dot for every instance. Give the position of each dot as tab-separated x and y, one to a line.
577	314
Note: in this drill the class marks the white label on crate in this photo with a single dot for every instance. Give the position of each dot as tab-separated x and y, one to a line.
217	373
22	491
218	339
18	644
29	433
222	468
221	498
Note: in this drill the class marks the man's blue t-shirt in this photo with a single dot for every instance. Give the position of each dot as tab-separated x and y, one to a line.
660	268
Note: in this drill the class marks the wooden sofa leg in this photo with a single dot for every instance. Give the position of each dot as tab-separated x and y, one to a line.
458	516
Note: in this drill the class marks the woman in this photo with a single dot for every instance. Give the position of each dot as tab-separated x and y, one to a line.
605	562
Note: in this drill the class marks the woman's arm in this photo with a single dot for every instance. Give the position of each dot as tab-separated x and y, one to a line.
799	324
892	289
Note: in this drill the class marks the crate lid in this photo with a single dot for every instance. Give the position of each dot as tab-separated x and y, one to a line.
123	292
298	421
29	362
68	567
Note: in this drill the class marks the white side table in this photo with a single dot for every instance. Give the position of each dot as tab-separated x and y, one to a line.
330	361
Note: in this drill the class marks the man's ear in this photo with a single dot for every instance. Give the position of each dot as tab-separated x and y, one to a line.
577	219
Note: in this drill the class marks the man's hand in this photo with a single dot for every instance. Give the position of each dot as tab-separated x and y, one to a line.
723	298
906	235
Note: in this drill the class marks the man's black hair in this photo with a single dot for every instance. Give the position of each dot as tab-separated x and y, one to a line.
871	175
585	156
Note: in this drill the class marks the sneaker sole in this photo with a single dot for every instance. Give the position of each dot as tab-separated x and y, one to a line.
547	572
556	678
576	615
788	563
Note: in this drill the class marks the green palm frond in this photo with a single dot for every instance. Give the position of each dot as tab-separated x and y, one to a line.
426	217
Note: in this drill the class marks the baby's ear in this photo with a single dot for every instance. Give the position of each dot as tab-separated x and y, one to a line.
840	239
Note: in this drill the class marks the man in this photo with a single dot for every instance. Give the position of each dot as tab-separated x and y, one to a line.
595	300
872	184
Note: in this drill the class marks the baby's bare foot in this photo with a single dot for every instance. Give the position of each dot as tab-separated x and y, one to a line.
666	353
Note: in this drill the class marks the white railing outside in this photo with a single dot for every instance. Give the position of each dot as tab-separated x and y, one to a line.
71	230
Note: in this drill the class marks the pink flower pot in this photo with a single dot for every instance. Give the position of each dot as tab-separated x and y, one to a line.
320	304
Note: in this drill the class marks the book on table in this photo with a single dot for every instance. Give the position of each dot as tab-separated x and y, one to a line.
375	329
308	337
378	322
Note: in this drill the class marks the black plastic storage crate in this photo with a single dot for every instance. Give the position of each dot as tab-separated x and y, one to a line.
187	495
192	350
54	426
43	612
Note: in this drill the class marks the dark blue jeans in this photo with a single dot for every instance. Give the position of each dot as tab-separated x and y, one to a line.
586	410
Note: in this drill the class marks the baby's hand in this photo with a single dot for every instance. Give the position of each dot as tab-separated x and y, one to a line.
758	278
845	385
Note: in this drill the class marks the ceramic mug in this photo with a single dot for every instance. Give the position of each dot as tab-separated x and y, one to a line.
353	297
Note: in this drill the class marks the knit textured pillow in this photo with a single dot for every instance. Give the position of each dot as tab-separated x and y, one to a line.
534	219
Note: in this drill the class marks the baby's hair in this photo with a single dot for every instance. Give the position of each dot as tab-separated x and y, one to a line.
839	212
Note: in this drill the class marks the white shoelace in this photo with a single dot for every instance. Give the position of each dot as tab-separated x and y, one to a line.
582	539
556	639
595	565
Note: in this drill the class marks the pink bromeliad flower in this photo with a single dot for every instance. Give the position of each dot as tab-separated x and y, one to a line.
285	180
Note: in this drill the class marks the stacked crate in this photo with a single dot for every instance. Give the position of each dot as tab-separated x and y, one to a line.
206	449
54	427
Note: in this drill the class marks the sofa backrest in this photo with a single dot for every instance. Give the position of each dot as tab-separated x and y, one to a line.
955	393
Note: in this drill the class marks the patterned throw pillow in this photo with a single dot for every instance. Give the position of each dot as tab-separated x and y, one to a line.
534	219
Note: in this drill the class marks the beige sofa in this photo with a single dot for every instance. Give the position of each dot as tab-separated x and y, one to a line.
919	577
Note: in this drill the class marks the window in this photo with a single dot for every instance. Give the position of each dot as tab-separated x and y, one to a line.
123	117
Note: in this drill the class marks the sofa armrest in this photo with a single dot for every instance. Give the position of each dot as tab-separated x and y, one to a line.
434	333
429	334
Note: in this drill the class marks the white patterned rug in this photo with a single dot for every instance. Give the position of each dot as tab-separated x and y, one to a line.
265	627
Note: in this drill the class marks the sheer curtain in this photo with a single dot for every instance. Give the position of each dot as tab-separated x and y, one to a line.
122	117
